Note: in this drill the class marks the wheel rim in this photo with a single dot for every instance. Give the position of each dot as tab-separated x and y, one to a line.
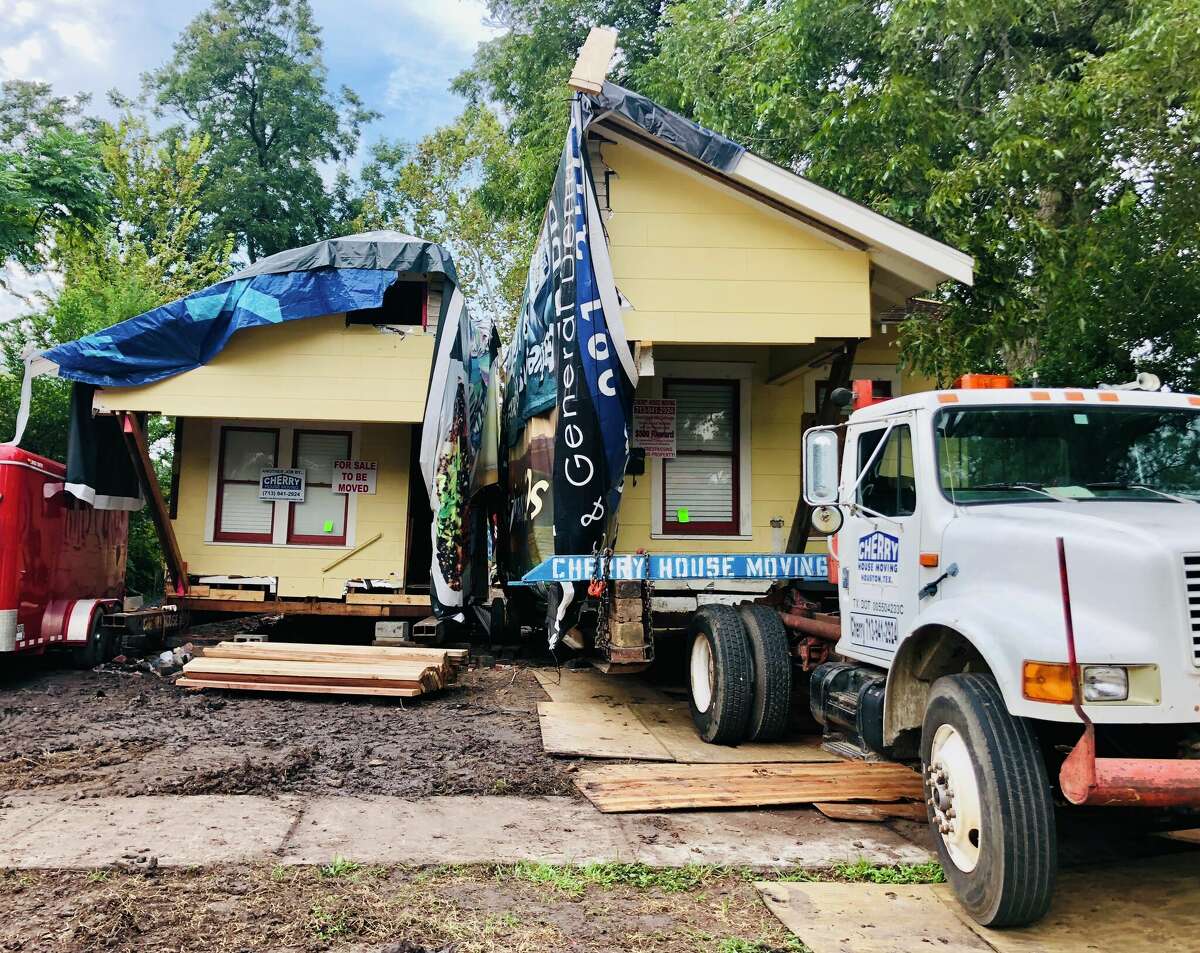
701	673
954	797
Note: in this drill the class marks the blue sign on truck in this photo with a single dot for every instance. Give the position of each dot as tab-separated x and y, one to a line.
666	566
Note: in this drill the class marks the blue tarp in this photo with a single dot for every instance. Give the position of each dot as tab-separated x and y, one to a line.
187	333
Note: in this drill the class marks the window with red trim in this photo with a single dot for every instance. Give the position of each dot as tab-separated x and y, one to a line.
241	517
700	483
321	519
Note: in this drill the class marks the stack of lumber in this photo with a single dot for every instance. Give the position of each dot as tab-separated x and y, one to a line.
324	669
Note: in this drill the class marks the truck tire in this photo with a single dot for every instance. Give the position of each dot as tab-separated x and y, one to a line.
719	675
771	703
100	646
998	845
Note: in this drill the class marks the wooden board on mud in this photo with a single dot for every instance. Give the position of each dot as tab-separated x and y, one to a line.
586	685
872	813
597	731
622	788
672	725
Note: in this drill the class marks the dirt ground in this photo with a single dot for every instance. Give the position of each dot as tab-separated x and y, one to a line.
123	732
523	909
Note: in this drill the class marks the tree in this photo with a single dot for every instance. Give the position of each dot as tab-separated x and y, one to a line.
52	180
524	73
248	74
445	189
1056	142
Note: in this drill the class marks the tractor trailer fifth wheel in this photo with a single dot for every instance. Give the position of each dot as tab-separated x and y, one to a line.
719	675
988	801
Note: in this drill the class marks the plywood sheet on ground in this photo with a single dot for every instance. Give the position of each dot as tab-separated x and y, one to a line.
1145	906
622	788
1188	837
869	918
590	730
586	685
852	811
672	725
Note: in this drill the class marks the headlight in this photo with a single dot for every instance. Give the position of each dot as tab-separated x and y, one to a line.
1105	683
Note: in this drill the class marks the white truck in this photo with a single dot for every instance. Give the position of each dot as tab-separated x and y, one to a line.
1018	577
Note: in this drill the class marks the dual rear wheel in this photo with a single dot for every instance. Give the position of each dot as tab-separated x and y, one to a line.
740	674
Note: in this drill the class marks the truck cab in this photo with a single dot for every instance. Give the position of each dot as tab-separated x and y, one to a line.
1014	566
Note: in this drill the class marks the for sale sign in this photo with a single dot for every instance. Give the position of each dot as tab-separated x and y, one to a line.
354	476
654	427
275	483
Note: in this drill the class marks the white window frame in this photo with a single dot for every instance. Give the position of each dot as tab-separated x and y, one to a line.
287	431
744	375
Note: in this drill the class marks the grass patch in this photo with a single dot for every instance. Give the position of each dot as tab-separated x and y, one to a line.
736	944
340	867
863	871
574	880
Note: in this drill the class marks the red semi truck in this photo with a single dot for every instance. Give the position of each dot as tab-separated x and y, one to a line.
62	568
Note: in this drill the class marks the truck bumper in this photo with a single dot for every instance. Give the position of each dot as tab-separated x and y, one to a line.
1127	782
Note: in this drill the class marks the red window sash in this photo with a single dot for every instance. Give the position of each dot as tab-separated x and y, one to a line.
219	535
304	539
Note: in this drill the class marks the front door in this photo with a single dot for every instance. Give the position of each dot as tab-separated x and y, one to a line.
880	544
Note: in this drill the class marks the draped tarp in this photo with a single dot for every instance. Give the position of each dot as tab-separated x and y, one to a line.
569	382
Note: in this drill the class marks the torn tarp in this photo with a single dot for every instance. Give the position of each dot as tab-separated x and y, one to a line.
568	385
709	147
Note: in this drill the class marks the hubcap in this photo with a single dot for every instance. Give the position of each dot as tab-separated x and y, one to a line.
953	794
701	673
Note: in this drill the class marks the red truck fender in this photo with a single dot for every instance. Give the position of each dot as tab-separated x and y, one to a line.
70	620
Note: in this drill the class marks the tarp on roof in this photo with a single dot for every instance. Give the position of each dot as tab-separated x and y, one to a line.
327	277
704	145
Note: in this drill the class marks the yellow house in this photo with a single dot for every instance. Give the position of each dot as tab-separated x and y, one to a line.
743	284
338	396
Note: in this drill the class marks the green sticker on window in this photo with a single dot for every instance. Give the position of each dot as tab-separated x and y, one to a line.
681	515
329	526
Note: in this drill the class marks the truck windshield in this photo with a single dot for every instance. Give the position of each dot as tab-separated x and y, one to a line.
1082	452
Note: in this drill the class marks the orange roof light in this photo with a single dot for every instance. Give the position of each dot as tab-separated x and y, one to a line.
1108	395
983	382
1039	394
947	398
1073	395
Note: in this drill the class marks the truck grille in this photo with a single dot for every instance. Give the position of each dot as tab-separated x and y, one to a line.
1191	581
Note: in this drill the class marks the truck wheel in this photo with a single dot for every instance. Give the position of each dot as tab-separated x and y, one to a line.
100	647
771	704
988	801
719	673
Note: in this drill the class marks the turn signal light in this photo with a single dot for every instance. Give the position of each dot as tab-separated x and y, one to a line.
1047	682
929	560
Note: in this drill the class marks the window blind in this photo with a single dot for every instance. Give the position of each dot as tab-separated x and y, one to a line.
700	482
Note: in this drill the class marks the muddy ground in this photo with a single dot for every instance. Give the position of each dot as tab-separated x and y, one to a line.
523	909
119	731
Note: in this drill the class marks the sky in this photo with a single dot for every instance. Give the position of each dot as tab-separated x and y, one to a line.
398	55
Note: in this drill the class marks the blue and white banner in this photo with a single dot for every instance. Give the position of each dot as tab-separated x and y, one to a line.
664	566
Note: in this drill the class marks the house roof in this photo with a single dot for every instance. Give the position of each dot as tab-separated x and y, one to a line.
905	262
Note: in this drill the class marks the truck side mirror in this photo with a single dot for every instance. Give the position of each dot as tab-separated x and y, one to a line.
820	467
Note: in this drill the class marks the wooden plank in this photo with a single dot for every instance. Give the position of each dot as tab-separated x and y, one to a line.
400	670
596	730
869	918
386	599
232	595
1188	837
588	685
672	725
304	651
427	684
139	453
621	788
872	813
300	688
587	75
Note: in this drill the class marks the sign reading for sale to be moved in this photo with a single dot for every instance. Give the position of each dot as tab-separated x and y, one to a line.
354	476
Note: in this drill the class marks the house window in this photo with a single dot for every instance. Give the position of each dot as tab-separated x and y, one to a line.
241	516
321	518
700	483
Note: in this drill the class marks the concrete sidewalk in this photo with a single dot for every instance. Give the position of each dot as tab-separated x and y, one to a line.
38	831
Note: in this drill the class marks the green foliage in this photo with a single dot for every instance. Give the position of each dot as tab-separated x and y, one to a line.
449	188
339	867
52	178
574	880
249	75
863	871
